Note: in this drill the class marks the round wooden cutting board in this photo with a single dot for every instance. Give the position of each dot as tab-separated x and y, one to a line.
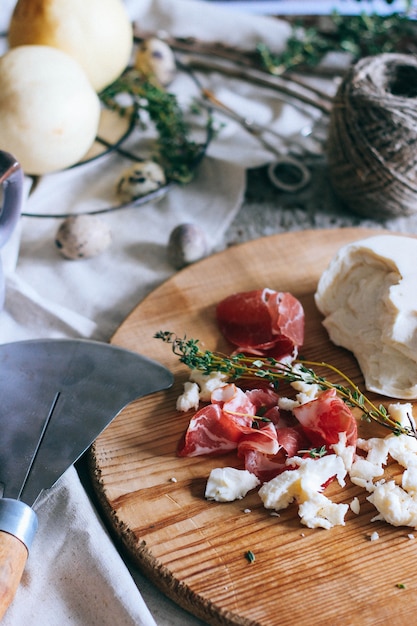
194	550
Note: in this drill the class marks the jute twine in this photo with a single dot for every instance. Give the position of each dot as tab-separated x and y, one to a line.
372	141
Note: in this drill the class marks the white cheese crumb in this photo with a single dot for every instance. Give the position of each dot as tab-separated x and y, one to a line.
190	399
199	388
346	453
287	404
365	470
320	512
410	536
363	473
355	506
400	412
173	479
207	383
304	485
374	536
394	505
226	484
306	392
247	510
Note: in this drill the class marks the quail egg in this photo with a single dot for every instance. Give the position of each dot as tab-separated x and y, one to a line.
155	59
187	244
82	237
140	179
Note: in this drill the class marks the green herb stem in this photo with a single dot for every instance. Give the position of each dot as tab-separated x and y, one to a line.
240	366
175	151
358	35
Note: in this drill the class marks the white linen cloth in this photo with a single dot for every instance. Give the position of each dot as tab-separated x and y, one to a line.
74	575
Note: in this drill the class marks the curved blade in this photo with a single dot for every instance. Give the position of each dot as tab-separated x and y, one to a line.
56	397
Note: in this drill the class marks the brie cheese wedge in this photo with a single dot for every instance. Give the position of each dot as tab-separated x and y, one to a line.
368	295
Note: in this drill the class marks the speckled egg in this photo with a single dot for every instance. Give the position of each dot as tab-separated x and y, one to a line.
155	59
187	244
140	179
82	237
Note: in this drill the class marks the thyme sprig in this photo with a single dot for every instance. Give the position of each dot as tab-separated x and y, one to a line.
176	152
241	367
358	35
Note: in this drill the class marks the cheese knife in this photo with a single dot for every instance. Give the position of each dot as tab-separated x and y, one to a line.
56	397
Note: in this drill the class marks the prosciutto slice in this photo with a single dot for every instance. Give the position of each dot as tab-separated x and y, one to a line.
325	417
220	426
290	439
212	431
262	322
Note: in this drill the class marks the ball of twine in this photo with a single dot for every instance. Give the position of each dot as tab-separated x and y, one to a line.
372	141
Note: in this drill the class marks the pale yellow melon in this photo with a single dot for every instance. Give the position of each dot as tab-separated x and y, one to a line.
96	33
49	111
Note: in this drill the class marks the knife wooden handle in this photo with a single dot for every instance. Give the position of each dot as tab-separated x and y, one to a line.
13	557
18	524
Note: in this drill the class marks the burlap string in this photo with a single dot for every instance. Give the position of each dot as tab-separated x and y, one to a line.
372	142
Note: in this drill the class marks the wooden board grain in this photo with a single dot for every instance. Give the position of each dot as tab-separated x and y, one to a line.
194	550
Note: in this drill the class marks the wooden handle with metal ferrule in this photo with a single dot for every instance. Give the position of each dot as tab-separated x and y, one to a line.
18	525
13	556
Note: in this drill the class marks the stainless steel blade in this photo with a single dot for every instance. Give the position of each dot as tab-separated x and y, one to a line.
56	397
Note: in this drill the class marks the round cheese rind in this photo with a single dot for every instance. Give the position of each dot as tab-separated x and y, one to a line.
368	295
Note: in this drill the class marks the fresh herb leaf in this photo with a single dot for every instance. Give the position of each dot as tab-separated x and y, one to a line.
250	556
315	453
176	152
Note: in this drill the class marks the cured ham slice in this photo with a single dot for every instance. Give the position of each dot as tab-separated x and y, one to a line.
262	439
292	439
262	322
217	427
266	466
212	431
229	421
266	403
235	401
325	417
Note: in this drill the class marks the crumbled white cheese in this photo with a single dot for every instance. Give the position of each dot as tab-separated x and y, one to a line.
304	485
320	512
365	470
287	404
306	392
190	398
374	536
401	412
368	297
226	484
207	383
394	504
346	453
355	506
198	388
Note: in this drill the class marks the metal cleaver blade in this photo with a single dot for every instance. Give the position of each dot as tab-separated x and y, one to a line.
56	397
